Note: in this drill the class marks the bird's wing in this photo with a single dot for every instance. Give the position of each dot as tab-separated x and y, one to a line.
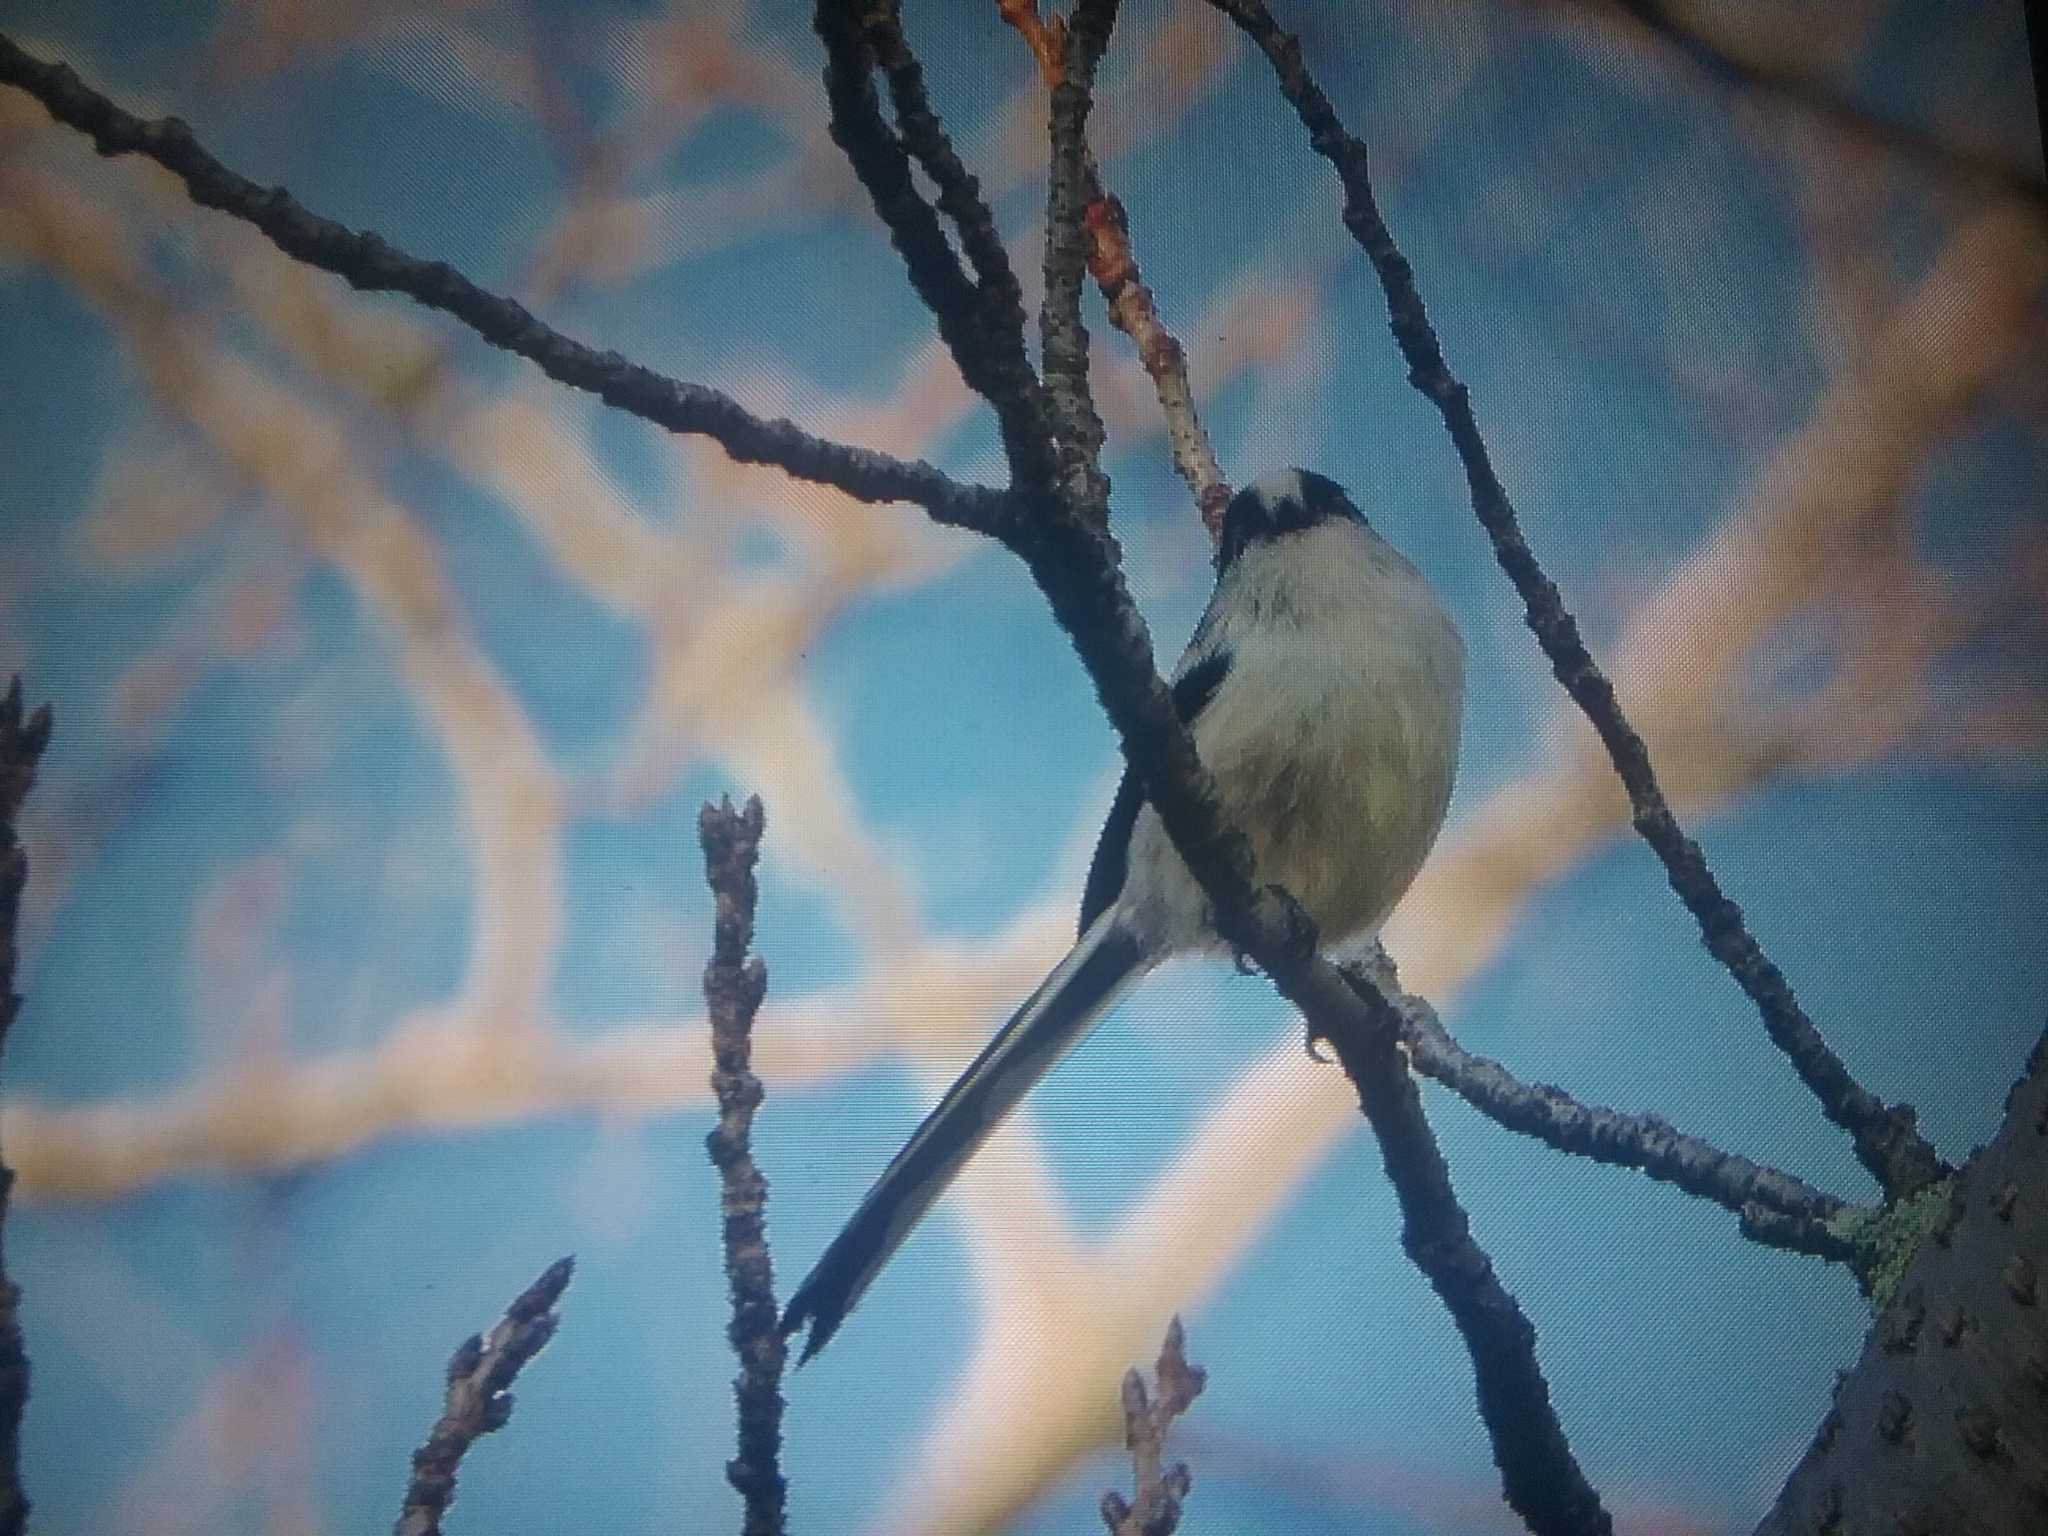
1192	691
1052	1020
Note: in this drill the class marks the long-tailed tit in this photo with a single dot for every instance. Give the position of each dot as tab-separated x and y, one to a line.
1324	687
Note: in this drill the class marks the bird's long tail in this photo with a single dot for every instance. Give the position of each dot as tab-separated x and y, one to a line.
1049	1024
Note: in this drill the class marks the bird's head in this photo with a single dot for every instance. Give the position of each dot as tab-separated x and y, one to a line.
1288	501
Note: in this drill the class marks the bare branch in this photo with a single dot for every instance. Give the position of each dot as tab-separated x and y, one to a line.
1076	424
993	363
1777	1209
1539	1474
1074	563
21	746
734	984
1111	261
368	261
480	1376
1047	38
1114	266
1886	1140
960	199
1158	1489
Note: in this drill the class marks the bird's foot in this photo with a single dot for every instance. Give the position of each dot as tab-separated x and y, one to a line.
1298	936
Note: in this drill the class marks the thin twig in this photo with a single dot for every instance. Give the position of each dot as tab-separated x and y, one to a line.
1063	338
21	747
734	984
1112	262
1157	1488
1820	99
1886	1140
1114	265
1539	1475
1047	39
1001	307
1777	1209
993	365
369	262
480	1375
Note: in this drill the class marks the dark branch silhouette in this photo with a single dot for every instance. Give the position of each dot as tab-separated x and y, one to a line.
22	739
1065	542
1886	1140
734	984
369	262
1776	1208
1071	186
993	364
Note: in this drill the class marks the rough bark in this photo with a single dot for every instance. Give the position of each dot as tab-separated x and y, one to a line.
1942	1426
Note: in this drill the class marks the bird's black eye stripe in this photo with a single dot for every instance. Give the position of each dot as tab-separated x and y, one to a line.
1280	504
1323	497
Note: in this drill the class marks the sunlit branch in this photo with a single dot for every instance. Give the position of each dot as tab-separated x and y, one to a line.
479	1399
1114	265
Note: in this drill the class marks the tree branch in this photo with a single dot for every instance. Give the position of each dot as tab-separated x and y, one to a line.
1157	1488
21	747
1113	264
1539	1474
1777	1209
369	262
1885	1137
1075	565
480	1376
992	362
734	984
1942	1425
1001	297
1077	426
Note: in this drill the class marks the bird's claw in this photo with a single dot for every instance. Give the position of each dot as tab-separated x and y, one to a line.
1299	937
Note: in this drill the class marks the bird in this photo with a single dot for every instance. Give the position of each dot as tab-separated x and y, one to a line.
1324	688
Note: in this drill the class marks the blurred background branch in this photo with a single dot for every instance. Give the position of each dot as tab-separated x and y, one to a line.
1780	81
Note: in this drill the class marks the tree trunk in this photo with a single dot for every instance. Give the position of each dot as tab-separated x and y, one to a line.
1942	1427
